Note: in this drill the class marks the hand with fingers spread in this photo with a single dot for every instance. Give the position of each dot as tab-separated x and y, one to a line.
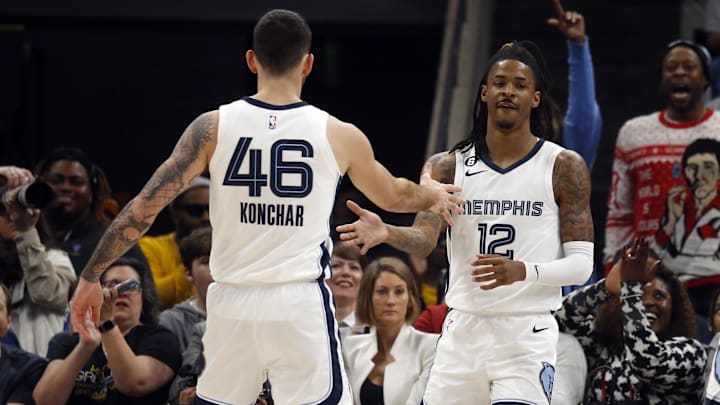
369	230
86	302
569	23
499	269
446	202
634	263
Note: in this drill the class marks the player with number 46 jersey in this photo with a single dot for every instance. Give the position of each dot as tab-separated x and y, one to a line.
275	163
274	176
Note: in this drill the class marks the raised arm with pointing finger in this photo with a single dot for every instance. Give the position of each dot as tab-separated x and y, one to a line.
582	126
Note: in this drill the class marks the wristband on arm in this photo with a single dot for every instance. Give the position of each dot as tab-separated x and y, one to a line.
574	268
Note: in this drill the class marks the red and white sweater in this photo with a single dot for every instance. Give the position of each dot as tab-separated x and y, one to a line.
648	153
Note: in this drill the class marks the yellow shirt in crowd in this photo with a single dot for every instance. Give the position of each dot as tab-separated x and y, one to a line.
163	255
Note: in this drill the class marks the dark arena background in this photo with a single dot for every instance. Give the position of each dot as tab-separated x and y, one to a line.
122	79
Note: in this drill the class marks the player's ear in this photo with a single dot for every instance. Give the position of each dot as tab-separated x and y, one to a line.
307	64
537	96
483	93
251	60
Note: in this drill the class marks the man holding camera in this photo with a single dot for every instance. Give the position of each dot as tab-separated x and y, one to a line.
39	278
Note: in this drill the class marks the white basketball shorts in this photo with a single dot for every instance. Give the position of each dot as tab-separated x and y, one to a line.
494	359
286	333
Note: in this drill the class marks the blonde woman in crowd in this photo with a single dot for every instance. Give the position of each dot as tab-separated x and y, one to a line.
391	364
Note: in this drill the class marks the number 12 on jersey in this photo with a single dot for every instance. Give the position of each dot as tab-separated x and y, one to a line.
494	237
255	179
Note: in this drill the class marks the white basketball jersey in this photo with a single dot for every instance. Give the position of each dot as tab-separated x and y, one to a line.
274	179
510	212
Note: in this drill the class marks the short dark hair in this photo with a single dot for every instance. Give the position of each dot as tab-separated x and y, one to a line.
702	145
394	265
280	40
149	314
349	253
196	244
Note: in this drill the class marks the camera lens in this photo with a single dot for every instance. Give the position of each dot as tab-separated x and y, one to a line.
33	195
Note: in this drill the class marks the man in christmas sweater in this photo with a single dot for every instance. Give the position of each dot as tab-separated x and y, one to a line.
648	167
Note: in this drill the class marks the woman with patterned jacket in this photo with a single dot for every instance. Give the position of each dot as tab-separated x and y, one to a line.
641	346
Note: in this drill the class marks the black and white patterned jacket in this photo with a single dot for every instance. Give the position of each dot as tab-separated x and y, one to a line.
647	370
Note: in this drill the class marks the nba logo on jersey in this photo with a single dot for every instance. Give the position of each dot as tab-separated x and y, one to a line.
272	122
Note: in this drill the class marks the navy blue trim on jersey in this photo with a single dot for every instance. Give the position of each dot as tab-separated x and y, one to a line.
261	104
527	157
709	401
336	382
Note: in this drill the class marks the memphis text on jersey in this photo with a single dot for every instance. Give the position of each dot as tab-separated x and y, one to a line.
503	207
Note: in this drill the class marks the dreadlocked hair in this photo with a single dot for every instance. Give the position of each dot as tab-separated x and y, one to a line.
541	117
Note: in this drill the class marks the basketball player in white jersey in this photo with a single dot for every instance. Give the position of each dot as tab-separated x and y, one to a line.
275	162
526	231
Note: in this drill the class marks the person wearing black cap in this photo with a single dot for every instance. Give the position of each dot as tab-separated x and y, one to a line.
648	165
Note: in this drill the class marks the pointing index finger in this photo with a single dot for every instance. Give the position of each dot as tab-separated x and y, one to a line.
559	10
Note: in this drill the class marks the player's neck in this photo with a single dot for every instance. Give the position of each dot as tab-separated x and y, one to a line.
278	90
507	147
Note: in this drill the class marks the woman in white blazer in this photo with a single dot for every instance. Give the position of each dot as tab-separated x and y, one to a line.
391	364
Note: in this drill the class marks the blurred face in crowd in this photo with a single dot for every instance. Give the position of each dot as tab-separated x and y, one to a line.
128	305
510	94
72	193
683	80
345	280
657	298
192	211
199	275
702	174
4	315
390	300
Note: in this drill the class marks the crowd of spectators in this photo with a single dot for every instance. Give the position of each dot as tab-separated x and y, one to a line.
646	331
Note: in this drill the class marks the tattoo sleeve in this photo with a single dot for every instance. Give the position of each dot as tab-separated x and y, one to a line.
187	161
571	184
422	236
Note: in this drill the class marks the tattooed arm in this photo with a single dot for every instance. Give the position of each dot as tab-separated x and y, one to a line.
369	230
189	158
571	184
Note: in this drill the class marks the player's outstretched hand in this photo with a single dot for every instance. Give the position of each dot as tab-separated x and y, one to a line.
446	201
569	23
499	269
368	231
88	298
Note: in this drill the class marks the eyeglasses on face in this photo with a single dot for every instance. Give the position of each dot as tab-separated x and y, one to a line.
195	210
